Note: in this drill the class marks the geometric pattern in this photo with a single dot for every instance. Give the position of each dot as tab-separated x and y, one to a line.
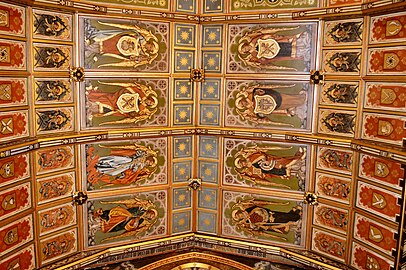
212	35
208	147
181	222
188	6
182	147
208	198
183	89
212	61
185	35
206	222
184	60
211	6
181	198
209	115
182	171
210	89
208	171
183	114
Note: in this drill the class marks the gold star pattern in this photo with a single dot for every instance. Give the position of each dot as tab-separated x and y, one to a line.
182	171
183	89
181	222
183	114
184	61
184	35
211	62
210	89
208	147
182	147
208	172
181	197
209	115
212	36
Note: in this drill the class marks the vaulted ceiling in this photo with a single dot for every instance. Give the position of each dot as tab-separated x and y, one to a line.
270	129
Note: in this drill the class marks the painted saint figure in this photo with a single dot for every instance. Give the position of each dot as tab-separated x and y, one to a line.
269	48
258	103
125	165
127	45
133	103
257	217
258	165
130	217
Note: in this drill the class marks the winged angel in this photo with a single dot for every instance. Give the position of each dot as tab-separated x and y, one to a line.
123	45
133	103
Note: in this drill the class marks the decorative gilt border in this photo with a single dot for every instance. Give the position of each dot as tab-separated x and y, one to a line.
197	241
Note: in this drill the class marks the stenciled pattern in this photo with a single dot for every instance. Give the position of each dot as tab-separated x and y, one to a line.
213	6
181	222
208	198
209	115
182	171
182	147
181	198
49	91
184	60
51	25
183	114
212	61
185	35
13	92
208	171
212	35
343	33
206	222
184	89
252	5
210	89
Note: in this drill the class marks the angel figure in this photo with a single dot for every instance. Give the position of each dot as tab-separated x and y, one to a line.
256	164
257	217
134	101
268	48
131	45
130	217
258	103
126	164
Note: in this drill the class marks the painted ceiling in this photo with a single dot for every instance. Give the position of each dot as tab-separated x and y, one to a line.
211	118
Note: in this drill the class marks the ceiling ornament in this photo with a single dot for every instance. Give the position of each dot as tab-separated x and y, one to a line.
194	183
79	198
197	75
310	198
316	77
77	74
